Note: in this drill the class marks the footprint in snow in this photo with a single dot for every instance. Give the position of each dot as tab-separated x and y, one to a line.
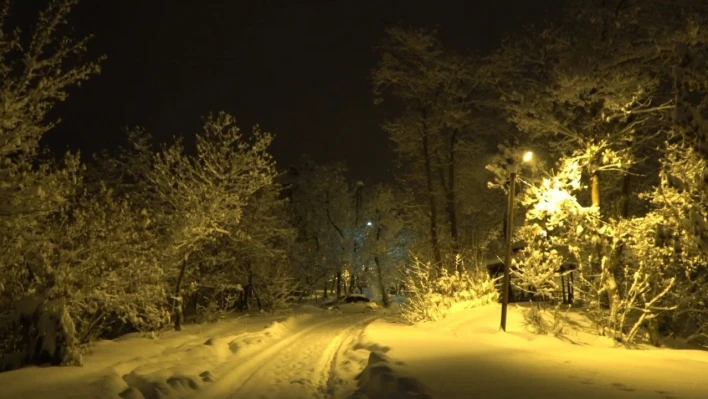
207	376
622	387
666	394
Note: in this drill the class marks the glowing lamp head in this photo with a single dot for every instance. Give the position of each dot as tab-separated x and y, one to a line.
528	156
369	223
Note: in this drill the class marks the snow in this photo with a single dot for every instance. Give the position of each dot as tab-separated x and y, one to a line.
466	355
311	353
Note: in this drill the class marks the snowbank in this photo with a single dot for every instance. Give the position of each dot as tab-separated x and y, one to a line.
381	379
466	355
384	378
188	368
170	364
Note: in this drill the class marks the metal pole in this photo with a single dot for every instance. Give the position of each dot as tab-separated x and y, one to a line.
507	256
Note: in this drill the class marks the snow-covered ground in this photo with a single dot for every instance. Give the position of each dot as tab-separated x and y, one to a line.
311	353
300	355
467	356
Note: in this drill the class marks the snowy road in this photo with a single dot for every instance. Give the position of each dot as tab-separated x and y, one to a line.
302	355
303	365
314	354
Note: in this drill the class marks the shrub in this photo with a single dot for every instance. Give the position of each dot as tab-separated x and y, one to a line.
433	292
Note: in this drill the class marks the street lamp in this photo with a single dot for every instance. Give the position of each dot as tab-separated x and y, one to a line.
528	155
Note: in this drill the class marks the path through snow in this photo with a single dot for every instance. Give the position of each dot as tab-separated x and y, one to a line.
308	354
301	366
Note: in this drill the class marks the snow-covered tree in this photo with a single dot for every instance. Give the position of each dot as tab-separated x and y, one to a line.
257	259
37	69
638	267
324	208
677	235
598	91
441	130
204	195
410	68
600	83
385	239
35	74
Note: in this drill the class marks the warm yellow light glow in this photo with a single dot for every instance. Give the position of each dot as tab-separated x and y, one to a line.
528	156
552	200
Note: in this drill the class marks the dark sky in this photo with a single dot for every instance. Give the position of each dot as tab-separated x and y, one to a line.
300	69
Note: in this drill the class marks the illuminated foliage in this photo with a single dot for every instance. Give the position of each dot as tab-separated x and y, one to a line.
433	295
36	70
203	196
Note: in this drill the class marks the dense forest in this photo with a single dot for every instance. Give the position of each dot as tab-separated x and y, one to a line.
611	99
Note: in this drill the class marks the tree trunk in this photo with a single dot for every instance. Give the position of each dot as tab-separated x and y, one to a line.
654	335
449	191
358	196
246	298
609	283
624	205
339	284
258	298
595	187
382	287
324	294
431	197
613	297
248	290
451	200
563	293
177	303
379	272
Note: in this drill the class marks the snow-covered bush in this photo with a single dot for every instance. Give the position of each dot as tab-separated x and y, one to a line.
36	71
102	260
274	286
96	272
212	299
433	292
672	244
630	271
47	331
540	320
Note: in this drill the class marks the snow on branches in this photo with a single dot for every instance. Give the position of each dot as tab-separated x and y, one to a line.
433	294
34	76
207	192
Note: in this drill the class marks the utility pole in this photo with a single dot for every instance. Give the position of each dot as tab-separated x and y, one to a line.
513	164
507	254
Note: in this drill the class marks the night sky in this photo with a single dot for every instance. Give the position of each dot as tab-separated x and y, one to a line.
301	69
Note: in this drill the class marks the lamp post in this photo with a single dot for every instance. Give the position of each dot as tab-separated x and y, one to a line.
509	229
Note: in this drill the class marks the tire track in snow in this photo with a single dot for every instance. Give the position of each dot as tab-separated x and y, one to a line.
332	354
304	367
234	379
297	366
